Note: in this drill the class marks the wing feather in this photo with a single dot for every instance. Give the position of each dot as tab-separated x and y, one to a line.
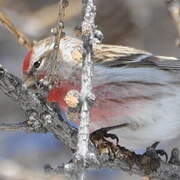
118	56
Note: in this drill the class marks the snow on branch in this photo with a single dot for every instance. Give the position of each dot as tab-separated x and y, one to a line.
86	95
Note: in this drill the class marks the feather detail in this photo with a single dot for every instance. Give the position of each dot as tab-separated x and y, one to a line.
118	56
108	53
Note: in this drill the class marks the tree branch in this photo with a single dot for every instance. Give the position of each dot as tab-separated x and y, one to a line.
37	109
49	117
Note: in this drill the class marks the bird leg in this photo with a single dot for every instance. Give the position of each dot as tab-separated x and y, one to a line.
150	160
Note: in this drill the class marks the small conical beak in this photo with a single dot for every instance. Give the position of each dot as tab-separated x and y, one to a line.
29	80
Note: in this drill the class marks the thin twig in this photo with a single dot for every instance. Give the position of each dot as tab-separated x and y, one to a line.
60	22
22	126
21	37
55	55
13	127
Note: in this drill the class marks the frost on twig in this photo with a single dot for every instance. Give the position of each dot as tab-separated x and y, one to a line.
88	28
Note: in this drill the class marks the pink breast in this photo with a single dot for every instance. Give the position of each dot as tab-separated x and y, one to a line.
108	110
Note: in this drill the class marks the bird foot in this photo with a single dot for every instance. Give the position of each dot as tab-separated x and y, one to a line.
155	153
150	160
102	134
103	140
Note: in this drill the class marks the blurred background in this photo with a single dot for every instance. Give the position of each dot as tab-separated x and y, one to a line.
143	24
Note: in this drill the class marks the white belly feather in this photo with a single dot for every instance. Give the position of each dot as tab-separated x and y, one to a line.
159	118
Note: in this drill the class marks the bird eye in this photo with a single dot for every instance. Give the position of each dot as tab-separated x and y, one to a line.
37	64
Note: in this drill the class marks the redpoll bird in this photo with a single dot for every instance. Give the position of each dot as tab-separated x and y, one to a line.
131	86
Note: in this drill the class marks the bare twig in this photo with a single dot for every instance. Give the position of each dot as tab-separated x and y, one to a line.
55	55
22	38
13	127
60	22
174	9
26	126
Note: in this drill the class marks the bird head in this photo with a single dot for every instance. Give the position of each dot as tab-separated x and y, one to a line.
45	62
